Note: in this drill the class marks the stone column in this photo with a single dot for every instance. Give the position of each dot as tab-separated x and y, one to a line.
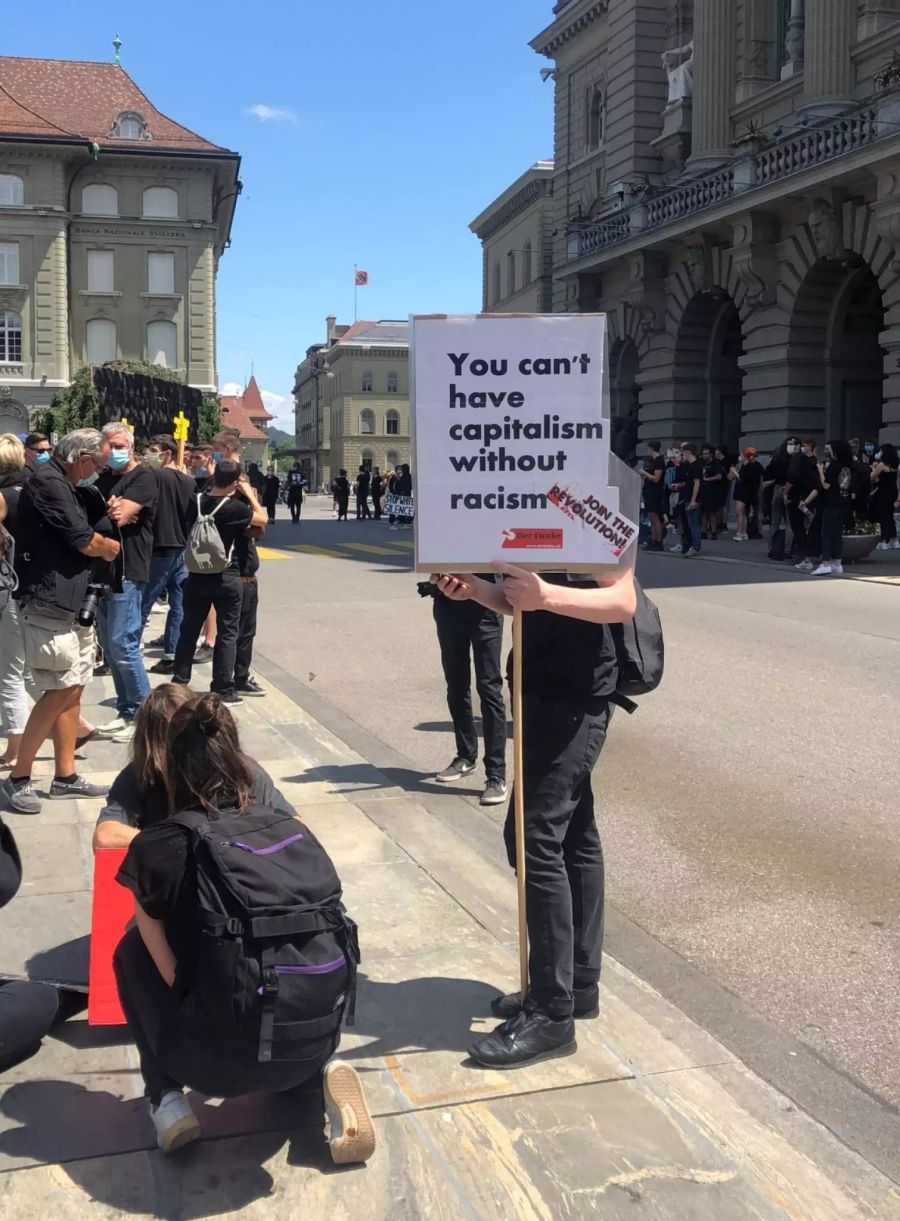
714	33
828	70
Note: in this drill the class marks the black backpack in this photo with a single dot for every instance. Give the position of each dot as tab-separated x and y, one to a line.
277	955
640	650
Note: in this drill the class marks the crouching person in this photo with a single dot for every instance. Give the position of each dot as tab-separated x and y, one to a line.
237	974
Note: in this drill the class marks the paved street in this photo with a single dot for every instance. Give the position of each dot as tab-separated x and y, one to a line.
749	808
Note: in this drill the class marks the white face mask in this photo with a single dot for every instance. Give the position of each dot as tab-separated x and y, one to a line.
878	456
792	449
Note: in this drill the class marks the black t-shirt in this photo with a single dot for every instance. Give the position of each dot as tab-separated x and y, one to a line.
140	486
342	486
159	872
802	476
688	472
749	477
377	485
655	492
52	527
712	468
777	470
232	519
296	481
567	660
175	490
270	491
839	478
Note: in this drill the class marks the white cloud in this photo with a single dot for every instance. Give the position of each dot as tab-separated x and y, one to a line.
272	114
231	388
271	399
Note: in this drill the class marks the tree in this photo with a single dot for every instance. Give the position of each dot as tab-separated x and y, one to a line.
209	418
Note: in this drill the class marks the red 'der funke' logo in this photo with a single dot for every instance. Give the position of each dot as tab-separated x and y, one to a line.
532	538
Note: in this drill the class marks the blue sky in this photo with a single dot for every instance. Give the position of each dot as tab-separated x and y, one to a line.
399	121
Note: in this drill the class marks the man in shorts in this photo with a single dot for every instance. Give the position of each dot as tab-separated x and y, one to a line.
57	547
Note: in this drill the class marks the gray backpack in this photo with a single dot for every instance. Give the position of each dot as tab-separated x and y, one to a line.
205	551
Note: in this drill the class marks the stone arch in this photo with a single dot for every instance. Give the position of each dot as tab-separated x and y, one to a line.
13	416
624	396
707	377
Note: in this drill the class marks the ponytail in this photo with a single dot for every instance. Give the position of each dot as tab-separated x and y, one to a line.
206	769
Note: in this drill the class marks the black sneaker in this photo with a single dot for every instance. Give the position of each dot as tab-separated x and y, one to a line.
495	793
102	671
457	769
250	687
158	643
165	665
587	1004
232	699
524	1039
79	787
204	653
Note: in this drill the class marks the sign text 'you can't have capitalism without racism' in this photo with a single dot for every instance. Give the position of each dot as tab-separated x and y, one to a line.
511	438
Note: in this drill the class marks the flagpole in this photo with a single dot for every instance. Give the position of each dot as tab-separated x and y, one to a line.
355	294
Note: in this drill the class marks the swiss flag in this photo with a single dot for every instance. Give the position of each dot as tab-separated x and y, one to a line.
362	279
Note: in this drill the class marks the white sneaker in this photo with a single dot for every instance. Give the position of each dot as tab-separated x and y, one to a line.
895	544
805	566
111	728
125	735
883	546
691	553
351	1134
837	570
739	538
175	1123
677	547
824	570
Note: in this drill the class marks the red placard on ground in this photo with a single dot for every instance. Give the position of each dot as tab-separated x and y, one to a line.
112	909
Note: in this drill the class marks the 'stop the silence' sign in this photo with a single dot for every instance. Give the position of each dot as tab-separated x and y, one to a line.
512	444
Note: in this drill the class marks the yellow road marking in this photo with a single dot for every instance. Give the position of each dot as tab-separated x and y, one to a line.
269	553
309	549
368	547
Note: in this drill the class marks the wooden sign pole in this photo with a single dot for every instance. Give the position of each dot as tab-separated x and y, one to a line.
519	800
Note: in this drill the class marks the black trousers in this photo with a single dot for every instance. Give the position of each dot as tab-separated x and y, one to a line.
362	508
270	508
224	591
171	1056
376	504
798	530
27	1011
343	503
465	629
246	631
563	854
295	504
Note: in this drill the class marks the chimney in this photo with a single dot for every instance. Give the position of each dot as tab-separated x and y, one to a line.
329	327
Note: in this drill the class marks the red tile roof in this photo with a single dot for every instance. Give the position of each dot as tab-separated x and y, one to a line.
253	402
60	97
237	413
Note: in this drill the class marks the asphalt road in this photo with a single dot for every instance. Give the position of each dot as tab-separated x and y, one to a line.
749	810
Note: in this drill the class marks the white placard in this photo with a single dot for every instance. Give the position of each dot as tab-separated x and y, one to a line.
511	431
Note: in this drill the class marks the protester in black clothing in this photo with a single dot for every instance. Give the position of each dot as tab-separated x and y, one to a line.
167	571
400	485
270	492
468	631
56	548
256	479
296	482
884	495
222	590
341	489
775	477
835	491
712	478
747	480
688	481
377	489
131	492
802	479
570	671
362	495
653	474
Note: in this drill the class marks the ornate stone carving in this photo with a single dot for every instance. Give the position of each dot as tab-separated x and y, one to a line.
679	66
753	258
699	267
760	55
824	230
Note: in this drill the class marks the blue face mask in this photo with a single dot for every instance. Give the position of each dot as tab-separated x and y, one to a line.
217	457
89	481
870	449
118	458
42	457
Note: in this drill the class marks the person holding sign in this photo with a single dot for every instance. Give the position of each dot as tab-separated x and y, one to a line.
570	673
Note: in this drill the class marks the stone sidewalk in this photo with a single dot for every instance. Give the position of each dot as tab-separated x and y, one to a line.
652	1118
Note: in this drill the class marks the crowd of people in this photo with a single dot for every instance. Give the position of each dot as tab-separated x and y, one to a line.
94	534
396	484
821	494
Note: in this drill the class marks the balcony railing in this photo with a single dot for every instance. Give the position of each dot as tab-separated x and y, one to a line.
800	150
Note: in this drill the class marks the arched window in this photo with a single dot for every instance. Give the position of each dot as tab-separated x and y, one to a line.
594	119
12	189
129	125
392	383
10	337
393	458
527	268
367	422
161	344
498	292
100	341
510	273
392	423
367	381
100	199
160	201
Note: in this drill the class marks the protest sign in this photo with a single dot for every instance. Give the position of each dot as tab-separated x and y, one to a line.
399	506
512	457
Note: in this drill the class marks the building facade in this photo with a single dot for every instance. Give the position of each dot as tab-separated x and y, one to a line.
247	413
516	234
726	191
112	222
351	398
